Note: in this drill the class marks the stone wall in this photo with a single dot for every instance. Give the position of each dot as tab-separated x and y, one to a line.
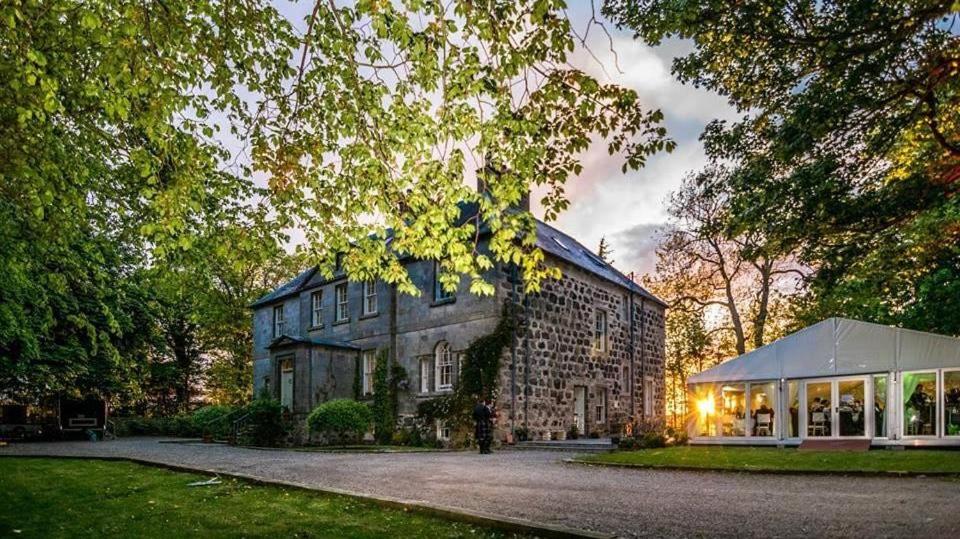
555	353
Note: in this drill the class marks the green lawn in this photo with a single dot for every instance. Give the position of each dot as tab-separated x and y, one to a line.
86	498
773	459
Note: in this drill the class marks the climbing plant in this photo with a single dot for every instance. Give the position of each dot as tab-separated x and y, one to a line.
479	375
388	380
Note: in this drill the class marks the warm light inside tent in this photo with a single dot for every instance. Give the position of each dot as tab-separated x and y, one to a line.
705	406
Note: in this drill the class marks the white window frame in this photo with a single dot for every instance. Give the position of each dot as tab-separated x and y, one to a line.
600	331
424	375
942	388
443	364
370	302
443	431
279	321
600	407
369	368
316	308
901	408
342	305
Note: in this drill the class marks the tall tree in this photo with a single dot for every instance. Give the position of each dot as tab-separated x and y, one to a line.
604	251
393	105
700	266
116	118
850	144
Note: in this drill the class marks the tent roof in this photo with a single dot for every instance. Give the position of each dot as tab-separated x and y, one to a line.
838	347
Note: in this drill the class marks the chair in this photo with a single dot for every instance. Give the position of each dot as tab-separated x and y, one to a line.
818	423
764	427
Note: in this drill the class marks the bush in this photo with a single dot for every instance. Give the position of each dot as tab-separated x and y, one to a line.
573	433
408	437
206	419
264	424
627	443
653	440
341	420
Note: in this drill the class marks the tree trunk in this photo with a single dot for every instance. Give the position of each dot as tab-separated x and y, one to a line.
763	301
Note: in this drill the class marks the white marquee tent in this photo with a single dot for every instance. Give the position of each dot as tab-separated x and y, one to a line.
869	372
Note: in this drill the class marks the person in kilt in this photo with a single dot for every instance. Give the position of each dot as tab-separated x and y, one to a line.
483	416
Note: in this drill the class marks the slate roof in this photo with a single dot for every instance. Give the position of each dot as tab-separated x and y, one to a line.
549	240
564	247
284	340
289	288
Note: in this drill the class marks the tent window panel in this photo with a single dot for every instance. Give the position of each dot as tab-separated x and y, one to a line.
880	406
951	403
762	405
920	403
704	397
793	408
733	416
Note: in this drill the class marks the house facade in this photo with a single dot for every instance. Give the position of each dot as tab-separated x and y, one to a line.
589	350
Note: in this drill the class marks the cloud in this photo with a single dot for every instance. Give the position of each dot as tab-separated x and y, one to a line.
629	208
635	249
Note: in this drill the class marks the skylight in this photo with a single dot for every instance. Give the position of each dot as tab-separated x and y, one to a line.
560	243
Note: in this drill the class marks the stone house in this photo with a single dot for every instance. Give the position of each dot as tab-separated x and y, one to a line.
589	351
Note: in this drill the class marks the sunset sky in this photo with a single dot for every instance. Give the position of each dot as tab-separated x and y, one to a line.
626	208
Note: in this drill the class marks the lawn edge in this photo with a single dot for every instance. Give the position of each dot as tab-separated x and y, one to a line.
759	471
498	522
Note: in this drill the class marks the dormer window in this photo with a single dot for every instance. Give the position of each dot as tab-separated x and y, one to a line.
279	323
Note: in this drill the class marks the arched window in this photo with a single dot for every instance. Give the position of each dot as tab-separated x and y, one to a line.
443	361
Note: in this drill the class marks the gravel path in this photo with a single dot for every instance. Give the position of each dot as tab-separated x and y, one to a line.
537	486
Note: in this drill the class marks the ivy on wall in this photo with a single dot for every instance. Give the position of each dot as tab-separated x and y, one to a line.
358	378
479	376
388	380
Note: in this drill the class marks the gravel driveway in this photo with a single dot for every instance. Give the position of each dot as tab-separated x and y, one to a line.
538	486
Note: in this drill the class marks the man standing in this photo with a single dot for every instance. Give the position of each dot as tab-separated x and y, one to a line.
484	429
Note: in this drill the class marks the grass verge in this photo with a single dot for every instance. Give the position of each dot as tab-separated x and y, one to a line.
73	498
770	459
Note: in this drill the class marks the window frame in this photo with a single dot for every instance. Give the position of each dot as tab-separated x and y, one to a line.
279	322
424	375
345	303
942	387
443	364
600	408
316	309
600	332
368	370
370	292
937	402
439	294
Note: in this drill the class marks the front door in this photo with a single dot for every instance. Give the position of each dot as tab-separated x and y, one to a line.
837	408
580	408
286	383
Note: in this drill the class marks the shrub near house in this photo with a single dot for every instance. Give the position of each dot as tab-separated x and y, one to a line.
340	420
